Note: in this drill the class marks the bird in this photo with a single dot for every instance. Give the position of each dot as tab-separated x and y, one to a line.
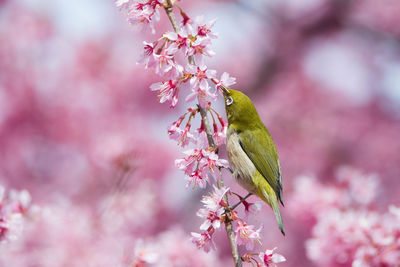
252	154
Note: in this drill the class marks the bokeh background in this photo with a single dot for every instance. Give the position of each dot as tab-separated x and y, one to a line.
83	134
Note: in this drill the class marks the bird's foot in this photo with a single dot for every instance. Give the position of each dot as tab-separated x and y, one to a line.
241	201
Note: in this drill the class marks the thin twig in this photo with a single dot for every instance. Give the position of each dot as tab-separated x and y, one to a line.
228	223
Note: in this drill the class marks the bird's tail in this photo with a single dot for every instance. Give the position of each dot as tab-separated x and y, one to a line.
275	208
272	200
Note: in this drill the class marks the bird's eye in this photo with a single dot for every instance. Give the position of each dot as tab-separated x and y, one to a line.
229	100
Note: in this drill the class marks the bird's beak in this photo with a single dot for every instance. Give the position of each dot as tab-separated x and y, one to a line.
225	90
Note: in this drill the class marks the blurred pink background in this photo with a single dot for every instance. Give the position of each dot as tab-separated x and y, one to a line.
83	134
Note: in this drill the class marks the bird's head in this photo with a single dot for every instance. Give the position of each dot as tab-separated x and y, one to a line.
239	108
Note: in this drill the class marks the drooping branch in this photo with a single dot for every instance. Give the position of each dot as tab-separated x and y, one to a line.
168	7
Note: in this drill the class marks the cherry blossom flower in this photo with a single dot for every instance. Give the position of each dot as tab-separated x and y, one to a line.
187	164
147	58
214	208
213	218
179	41
122	3
141	12
199	74
214	201
167	91
269	258
203	241
211	161
144	254
355	237
164	62
204	161
245	234
220	135
199	48
13	208
204	29
252	208
198	177
201	92
225	81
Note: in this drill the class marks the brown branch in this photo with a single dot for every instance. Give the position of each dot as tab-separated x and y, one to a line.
228	223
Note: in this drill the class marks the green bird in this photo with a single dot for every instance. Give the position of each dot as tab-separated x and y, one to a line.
252	153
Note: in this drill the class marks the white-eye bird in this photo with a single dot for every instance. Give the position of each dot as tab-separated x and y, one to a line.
251	151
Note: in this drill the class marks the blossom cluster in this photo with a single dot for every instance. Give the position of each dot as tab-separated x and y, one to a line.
170	248
179	59
215	211
347	228
14	205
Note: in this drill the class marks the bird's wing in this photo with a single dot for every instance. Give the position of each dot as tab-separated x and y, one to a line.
266	161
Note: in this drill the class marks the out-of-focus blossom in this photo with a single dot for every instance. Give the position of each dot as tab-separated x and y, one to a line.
144	254
141	11
347	230
270	258
362	188
355	237
14	206
353	188
203	241
246	235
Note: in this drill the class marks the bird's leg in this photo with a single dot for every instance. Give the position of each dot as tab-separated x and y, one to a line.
241	201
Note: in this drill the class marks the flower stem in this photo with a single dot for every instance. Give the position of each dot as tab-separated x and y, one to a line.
168	7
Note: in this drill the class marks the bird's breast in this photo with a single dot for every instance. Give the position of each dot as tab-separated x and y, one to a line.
242	167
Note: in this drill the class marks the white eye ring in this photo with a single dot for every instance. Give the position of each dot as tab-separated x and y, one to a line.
229	101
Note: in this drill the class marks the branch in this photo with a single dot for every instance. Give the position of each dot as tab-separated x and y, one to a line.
228	223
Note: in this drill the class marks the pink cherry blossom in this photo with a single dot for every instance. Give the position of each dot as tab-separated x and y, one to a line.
246	235
147	58
202	93
355	237
204	29
168	91
213	218
187	164
203	240
199	74
144	254
186	136
14	206
270	259
199	48
220	135
122	3
141	11
198	177
214	201
179	41
212	162
225	81
164	62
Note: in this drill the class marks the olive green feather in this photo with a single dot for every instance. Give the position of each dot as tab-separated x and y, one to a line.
264	160
244	119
